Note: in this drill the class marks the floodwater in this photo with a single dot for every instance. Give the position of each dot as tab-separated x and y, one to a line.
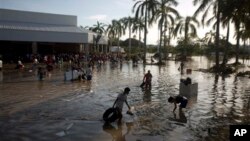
53	109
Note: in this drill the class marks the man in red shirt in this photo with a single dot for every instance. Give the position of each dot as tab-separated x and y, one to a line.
147	79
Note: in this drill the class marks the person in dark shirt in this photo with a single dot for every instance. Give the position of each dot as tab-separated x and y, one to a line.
147	79
181	100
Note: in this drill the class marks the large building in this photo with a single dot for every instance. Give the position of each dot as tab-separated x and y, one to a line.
23	32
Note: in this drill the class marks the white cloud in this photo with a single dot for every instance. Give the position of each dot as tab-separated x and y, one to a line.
98	17
123	3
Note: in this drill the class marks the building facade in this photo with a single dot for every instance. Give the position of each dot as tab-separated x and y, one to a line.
23	32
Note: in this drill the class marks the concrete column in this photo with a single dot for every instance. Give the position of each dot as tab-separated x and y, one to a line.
81	48
98	48
34	47
88	49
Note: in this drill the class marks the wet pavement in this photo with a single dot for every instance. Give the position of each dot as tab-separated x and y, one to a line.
54	109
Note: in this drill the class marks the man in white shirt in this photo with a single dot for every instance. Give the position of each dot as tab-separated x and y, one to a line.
122	97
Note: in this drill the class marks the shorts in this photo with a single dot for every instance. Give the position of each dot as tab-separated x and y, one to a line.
89	77
184	103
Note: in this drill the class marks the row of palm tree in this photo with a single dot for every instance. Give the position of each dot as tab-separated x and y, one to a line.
163	12
225	12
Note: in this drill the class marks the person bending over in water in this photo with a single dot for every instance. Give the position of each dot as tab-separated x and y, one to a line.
181	100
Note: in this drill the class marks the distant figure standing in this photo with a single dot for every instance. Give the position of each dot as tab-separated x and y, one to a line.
152	60
19	64
147	79
122	97
181	66
89	73
35	63
182	100
40	73
49	70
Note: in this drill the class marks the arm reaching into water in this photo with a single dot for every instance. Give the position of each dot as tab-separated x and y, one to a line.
114	103
127	104
175	106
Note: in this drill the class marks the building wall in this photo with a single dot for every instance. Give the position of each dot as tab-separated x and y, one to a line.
40	36
32	32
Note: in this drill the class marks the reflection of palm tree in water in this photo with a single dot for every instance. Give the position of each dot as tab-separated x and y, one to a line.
116	133
182	118
214	94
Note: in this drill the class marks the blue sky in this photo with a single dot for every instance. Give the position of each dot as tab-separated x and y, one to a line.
88	12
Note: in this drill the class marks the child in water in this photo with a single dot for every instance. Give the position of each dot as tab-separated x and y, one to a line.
182	100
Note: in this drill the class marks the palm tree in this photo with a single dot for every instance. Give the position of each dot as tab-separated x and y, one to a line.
237	13
98	28
128	23
210	37
206	5
244	35
225	24
110	31
144	8
138	26
165	13
188	26
115	30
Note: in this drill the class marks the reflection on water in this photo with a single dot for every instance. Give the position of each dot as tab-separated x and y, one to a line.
117	132
181	117
1	75
220	101
147	96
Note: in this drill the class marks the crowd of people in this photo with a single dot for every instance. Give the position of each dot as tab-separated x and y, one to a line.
79	63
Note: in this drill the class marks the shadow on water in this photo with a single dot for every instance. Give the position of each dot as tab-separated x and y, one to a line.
117	131
147	95
179	118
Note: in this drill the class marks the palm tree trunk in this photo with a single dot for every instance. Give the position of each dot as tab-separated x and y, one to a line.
111	42
237	48
139	43
217	38
169	36
118	41
227	47
145	34
160	58
237	42
185	40
164	41
129	41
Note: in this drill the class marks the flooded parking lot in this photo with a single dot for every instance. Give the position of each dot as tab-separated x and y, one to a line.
53	109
